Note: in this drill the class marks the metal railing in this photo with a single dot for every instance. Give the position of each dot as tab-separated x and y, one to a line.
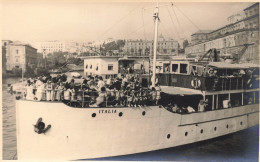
92	98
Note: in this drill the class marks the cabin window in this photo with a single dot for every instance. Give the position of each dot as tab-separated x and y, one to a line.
97	68
183	68
86	66
110	67
175	68
166	67
90	67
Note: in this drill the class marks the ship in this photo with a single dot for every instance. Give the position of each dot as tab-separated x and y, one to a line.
52	130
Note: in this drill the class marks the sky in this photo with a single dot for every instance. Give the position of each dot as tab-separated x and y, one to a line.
90	21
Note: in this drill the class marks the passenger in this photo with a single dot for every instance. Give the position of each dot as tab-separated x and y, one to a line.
158	94
225	104
185	110
34	88
73	94
72	83
117	84
87	100
54	92
129	96
84	84
101	98
91	83
190	109
153	96
111	97
49	88
100	83
40	90
174	108
67	95
140	97
124	81
117	97
123	99
109	82
250	100
59	90
29	91
201	106
145	97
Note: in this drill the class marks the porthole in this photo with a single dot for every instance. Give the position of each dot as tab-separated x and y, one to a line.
168	136
201	131
227	126
94	115
241	123
143	113
186	133
215	129
120	114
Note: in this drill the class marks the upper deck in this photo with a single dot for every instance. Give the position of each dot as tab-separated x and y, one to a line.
214	76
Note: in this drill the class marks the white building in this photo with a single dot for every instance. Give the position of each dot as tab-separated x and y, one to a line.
104	66
50	46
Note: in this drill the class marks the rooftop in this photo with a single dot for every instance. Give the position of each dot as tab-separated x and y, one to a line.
256	4
202	32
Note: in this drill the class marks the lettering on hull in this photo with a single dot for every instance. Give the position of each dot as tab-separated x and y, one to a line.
107	111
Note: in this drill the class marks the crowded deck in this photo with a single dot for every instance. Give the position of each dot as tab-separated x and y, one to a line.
92	92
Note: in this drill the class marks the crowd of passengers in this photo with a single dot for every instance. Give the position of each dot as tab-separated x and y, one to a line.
202	106
93	91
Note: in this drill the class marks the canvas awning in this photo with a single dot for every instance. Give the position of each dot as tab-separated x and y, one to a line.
180	91
224	65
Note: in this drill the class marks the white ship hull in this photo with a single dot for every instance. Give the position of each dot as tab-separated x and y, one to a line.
75	134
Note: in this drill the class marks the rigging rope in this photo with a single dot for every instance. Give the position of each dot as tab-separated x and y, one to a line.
164	28
143	23
138	29
177	20
118	21
186	17
174	24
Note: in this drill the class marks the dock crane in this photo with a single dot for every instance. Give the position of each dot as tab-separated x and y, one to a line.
211	52
241	53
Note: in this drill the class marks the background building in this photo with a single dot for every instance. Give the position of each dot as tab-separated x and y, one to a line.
238	38
47	47
20	55
145	47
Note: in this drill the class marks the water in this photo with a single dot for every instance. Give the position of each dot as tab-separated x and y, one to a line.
240	146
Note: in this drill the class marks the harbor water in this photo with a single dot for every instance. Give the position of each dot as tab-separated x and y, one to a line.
240	146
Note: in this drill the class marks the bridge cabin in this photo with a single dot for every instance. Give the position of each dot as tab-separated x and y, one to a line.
222	84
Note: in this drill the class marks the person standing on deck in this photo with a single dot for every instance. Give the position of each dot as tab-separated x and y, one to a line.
49	87
40	90
201	106
100	83
59	90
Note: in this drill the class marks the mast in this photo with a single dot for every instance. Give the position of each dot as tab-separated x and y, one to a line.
156	18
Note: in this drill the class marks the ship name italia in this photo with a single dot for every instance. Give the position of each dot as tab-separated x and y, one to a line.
107	111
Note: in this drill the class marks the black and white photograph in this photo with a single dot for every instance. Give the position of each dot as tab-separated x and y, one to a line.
130	80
